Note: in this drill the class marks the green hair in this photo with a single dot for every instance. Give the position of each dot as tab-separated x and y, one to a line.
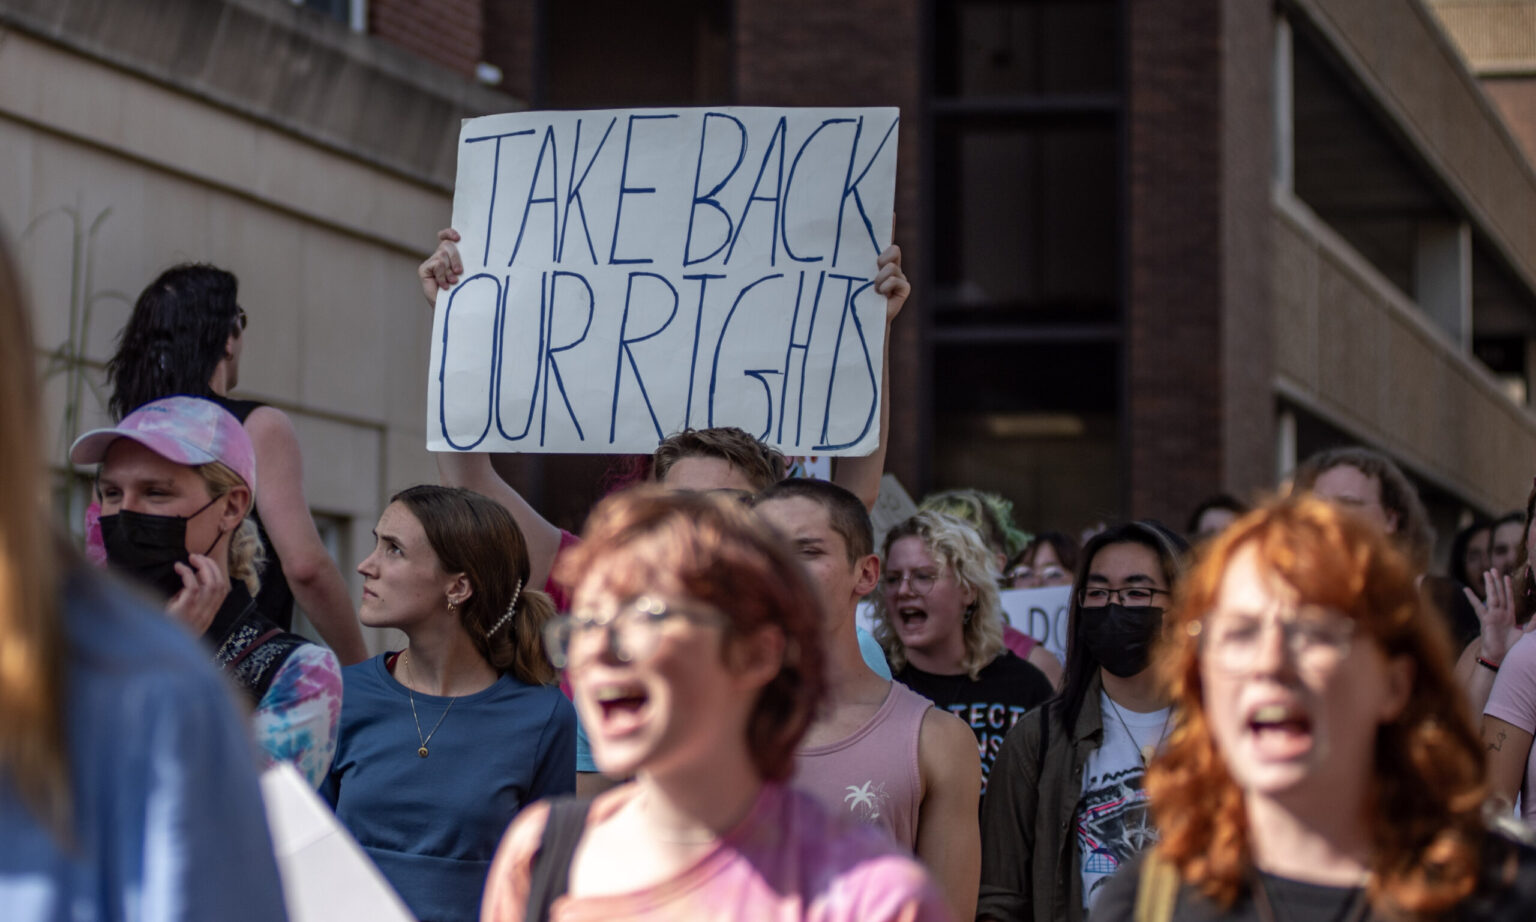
988	513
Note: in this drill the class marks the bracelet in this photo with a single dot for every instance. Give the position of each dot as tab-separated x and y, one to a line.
1487	665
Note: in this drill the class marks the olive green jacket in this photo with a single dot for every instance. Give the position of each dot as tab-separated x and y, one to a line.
1029	855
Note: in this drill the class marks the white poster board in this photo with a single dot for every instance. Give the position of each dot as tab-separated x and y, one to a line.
1040	613
327	877
630	273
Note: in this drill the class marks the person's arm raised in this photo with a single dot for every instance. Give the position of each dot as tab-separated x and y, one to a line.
1481	659
312	574
948	834
472	469
861	476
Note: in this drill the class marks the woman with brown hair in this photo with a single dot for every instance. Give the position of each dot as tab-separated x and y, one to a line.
442	743
127	785
1323	767
694	650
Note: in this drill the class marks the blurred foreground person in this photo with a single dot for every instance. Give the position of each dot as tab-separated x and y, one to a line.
127	785
695	654
1066	804
442	743
1322	767
176	488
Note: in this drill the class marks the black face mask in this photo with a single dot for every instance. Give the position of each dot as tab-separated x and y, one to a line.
1120	637
148	547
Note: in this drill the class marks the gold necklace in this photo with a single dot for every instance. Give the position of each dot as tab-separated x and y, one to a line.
428	738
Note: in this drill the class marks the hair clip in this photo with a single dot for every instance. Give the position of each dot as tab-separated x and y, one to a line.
511	607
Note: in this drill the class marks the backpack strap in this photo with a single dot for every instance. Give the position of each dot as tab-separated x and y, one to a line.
551	872
1157	888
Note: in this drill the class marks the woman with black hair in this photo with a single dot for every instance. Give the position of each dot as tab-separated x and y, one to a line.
185	336
1065	806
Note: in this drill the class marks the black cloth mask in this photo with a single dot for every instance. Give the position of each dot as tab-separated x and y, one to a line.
1120	637
148	547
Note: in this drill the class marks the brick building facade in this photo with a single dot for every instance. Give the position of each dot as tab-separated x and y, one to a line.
1159	249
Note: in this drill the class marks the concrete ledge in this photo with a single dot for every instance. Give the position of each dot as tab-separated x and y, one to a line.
1354	350
1410	69
281	65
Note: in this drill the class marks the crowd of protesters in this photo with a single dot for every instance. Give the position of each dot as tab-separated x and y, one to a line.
1278	713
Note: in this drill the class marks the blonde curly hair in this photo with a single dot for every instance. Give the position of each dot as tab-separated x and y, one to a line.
957	547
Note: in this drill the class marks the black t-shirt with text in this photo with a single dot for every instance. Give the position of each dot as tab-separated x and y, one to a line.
990	704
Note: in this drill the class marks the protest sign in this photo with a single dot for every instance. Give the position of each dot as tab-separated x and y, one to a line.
1040	613
629	273
327	877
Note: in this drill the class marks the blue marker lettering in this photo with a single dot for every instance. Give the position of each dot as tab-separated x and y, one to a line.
554	188
626	189
625	342
573	193
495	175
708	198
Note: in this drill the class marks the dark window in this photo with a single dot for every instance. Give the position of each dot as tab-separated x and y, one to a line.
1018	48
600	54
339	10
1028	210
1026	221
1037	423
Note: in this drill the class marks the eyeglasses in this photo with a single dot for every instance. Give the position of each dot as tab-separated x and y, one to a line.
632	631
921	581
241	319
1026	573
1132	596
1317	638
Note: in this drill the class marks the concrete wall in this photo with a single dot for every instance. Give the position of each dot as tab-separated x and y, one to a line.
1351	349
114	174
1411	70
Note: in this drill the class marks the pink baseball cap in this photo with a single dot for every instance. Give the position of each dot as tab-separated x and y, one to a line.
186	430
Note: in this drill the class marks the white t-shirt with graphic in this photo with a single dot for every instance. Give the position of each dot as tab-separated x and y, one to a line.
1111	822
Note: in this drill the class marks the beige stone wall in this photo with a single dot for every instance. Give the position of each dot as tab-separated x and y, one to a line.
111	178
1350	348
1415	74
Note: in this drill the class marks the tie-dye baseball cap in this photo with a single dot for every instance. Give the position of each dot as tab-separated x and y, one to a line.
186	430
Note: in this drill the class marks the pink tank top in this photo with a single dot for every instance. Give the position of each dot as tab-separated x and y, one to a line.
873	773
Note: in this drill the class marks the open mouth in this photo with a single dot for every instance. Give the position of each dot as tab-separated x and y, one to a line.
911	618
622	707
1280	731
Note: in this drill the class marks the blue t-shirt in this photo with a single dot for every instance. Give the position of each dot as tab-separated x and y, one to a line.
869	648
166	815
432	824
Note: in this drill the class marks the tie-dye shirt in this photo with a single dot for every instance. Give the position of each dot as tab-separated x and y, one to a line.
789	860
298	718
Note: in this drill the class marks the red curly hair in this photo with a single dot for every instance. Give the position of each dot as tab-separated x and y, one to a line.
1427	791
